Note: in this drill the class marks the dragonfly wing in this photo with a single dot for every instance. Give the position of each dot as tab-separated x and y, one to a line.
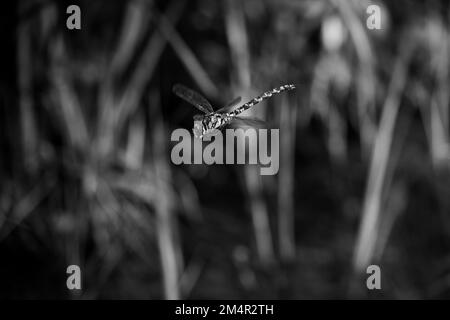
193	98
229	105
242	122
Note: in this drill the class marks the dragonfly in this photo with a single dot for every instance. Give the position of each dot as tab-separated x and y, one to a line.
210	122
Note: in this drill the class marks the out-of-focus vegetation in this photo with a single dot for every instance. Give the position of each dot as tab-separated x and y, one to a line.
86	176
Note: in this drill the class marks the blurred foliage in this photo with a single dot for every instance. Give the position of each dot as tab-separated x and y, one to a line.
85	122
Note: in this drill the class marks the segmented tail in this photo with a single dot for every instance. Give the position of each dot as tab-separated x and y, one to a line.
260	98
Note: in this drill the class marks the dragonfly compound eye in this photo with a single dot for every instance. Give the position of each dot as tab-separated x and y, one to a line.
198	129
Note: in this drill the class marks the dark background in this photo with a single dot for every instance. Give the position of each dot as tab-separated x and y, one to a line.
85	171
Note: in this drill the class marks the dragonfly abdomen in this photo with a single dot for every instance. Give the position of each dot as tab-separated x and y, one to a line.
260	98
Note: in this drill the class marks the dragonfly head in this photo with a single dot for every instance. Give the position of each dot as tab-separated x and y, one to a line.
198	126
